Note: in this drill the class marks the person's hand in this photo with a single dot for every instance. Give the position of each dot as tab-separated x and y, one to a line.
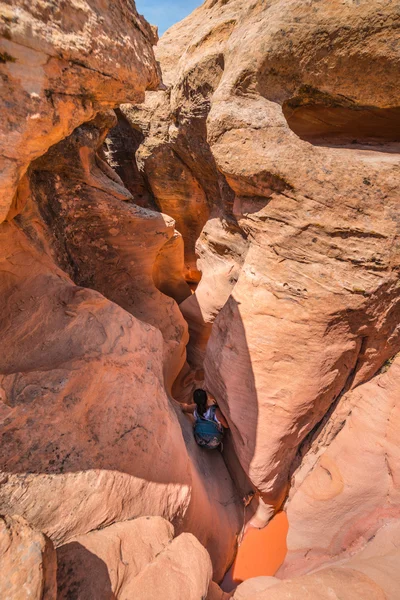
248	498
211	397
188	408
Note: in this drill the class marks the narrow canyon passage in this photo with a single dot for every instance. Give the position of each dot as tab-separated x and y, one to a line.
215	209
261	553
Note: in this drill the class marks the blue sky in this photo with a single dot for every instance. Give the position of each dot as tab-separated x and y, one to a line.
165	13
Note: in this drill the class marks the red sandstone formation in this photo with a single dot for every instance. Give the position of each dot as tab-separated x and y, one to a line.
372	573
105	242
315	307
134	559
60	65
314	310
91	435
348	482
304	127
266	171
28	562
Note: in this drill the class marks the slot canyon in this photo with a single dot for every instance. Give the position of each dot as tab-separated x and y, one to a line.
216	209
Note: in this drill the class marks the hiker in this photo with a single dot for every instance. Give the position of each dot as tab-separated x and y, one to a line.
209	421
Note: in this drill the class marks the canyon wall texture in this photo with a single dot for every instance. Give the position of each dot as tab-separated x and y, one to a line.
91	436
226	211
372	573
60	65
293	106
313	308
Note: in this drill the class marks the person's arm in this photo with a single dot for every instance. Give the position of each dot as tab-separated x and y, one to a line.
188	408
211	398
221	418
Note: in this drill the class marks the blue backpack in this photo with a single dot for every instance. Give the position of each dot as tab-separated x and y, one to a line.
207	433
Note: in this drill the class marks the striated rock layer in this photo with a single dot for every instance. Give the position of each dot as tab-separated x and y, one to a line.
302	129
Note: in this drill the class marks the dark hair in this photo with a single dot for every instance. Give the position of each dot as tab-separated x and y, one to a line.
200	398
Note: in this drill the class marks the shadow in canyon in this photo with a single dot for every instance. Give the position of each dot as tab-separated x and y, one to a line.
120	147
336	121
230	378
82	574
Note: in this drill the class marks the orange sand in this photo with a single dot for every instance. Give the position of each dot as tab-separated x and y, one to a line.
261	553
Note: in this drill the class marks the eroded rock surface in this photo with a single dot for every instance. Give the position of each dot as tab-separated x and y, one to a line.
91	435
310	301
104	241
28	562
82	404
134	559
59	66
372	573
268	168
348	483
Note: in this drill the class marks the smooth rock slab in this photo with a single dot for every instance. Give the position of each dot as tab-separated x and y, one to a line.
372	573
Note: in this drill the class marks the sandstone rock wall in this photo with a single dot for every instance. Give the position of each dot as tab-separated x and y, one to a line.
300	256
91	436
83	404
348	481
266	171
372	574
314	307
59	66
28	562
104	241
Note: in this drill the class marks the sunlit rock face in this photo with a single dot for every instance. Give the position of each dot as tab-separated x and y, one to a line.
263	176
90	434
28	561
348	482
138	559
300	125
371	573
60	65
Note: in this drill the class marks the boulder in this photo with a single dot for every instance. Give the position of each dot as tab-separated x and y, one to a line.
181	572
255	587
28	562
133	559
215	593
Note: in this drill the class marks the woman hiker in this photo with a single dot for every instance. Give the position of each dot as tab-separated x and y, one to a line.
209	421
